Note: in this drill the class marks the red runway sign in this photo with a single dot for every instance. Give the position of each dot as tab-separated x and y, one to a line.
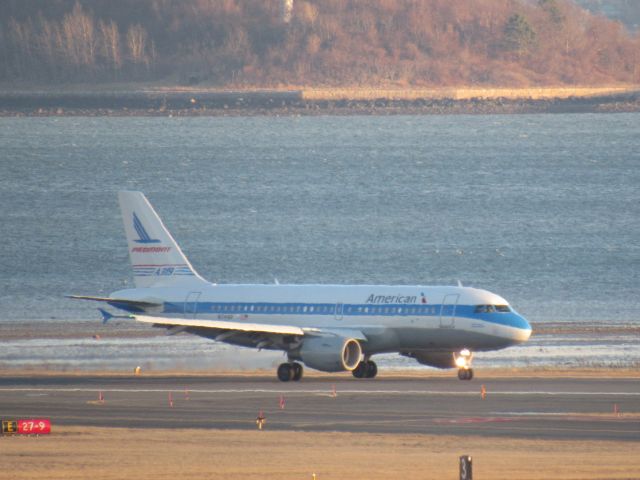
31	426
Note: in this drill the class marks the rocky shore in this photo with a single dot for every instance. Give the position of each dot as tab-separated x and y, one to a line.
294	102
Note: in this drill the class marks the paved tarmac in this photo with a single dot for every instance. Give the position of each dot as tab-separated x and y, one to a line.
545	408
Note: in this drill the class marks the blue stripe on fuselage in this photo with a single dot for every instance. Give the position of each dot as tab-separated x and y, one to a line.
510	319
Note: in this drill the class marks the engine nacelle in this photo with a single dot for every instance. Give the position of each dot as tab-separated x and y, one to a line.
330	354
433	359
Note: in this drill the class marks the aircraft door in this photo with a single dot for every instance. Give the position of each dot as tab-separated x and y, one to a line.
338	311
448	310
191	304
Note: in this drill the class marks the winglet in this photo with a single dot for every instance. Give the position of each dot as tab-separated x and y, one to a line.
106	316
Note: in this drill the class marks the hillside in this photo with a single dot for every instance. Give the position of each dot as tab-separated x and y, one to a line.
284	43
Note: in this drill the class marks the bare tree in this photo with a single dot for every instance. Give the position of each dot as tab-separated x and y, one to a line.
137	44
110	44
79	37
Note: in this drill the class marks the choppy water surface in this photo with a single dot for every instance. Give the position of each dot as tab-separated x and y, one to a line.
544	209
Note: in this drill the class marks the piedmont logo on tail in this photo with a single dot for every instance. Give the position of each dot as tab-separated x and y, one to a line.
331	328
142	233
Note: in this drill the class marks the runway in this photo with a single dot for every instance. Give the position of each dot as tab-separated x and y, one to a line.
545	408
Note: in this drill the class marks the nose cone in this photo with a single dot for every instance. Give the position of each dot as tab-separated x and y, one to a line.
522	333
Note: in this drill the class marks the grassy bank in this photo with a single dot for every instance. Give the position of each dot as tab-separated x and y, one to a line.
113	453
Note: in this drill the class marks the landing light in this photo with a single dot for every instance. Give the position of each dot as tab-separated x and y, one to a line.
463	359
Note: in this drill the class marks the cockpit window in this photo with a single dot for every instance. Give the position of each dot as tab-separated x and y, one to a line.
493	308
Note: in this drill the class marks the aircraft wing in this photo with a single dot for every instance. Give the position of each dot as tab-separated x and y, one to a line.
221	325
337	332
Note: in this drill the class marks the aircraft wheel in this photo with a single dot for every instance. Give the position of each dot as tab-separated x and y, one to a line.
372	369
297	371
285	372
470	374
465	374
360	371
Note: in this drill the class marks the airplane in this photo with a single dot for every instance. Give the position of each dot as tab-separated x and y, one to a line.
331	328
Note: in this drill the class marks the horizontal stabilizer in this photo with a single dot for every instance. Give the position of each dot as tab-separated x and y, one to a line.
137	304
222	325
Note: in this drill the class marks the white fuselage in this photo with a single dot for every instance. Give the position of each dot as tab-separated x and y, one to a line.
393	318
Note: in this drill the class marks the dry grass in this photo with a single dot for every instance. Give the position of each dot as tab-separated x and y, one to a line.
104	453
535	93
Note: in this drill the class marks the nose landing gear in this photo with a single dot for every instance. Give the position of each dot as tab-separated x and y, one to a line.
463	362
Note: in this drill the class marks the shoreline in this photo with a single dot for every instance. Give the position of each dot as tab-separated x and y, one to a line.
136	343
183	102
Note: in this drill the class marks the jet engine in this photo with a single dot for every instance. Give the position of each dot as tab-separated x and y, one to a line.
330	354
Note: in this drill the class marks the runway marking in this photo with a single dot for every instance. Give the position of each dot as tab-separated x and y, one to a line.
591	415
474	420
320	392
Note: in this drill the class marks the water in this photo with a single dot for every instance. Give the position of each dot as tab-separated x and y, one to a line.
541	209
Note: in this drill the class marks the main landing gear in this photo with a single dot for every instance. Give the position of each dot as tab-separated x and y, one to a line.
365	369
463	362
290	371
